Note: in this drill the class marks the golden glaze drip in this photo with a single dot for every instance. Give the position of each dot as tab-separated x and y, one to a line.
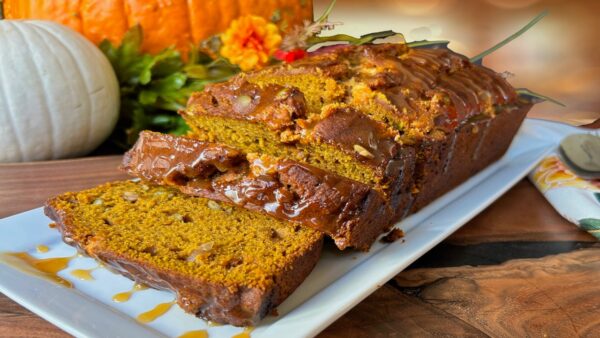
195	334
84	274
46	268
42	248
245	333
157	311
125	296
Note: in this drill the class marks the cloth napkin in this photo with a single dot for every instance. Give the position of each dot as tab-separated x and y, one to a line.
576	199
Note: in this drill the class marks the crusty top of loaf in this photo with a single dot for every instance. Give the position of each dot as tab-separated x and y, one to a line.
415	92
419	89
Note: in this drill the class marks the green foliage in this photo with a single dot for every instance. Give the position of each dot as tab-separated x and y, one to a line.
427	43
536	97
363	39
325	16
155	87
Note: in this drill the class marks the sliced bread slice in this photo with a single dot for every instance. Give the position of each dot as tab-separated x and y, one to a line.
350	212
225	264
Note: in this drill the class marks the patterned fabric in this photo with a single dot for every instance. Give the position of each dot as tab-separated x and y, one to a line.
576	199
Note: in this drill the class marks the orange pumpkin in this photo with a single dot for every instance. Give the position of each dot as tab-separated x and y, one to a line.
164	22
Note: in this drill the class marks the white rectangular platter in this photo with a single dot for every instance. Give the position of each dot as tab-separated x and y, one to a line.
339	282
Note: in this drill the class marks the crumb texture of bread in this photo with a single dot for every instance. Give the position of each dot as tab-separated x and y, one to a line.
225	263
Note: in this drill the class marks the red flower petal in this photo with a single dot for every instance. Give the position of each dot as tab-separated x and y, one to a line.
290	56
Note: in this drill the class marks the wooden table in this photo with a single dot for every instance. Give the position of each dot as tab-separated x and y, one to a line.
517	269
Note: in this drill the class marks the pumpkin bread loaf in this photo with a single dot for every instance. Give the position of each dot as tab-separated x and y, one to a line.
224	263
396	118
352	213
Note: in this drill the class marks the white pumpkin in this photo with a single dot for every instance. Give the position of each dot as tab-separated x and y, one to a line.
59	96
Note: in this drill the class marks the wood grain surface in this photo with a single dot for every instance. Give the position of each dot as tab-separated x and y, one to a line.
554	296
24	186
517	269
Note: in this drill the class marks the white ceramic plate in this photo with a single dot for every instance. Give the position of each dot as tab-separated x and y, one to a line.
339	282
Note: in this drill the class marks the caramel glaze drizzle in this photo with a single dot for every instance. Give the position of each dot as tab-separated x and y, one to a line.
85	274
42	248
204	334
245	333
46	268
195	334
154	313
125	296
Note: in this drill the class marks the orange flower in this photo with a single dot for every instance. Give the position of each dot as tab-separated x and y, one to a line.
250	41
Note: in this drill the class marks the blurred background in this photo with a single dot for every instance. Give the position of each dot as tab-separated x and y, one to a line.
559	57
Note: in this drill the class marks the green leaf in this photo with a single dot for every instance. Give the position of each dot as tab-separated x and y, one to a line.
479	57
132	42
167	66
145	75
180	128
276	16
109	51
535	97
131	69
164	120
174	96
426	43
170	83
368	38
196	71
173	124
154	87
170	106
139	122
146	72
196	85
148	97
325	14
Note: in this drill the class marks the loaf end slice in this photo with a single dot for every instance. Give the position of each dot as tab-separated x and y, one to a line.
225	264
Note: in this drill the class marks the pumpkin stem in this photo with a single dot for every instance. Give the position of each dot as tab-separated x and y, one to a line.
1	10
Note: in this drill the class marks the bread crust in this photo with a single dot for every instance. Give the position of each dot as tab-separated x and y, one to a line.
445	164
